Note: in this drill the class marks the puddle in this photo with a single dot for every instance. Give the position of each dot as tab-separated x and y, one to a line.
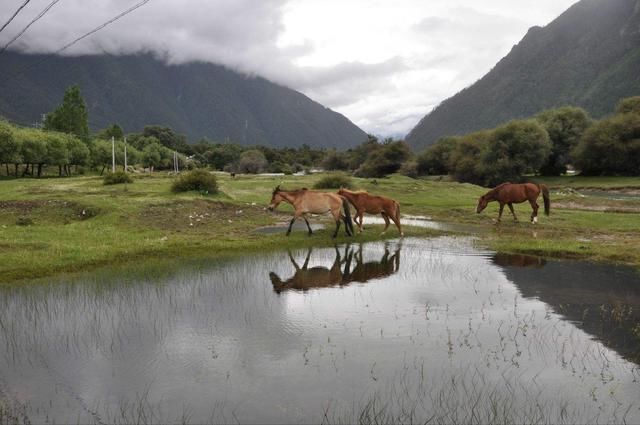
407	330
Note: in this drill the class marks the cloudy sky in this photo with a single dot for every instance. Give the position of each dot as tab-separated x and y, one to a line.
383	64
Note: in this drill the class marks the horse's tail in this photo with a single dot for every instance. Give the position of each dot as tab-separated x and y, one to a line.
545	195
348	222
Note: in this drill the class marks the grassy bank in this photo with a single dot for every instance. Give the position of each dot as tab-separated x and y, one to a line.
52	226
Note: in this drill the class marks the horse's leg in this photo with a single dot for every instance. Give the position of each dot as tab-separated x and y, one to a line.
337	217
308	226
534	214
396	220
386	223
361	217
293	261
512	211
291	225
500	213
306	260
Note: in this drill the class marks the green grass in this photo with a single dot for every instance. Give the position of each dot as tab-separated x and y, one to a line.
145	220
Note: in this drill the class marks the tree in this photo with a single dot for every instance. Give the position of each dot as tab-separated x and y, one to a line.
9	147
435	160
385	160
335	161
70	117
358	155
100	154
464	160
114	130
629	105
565	127
610	147
78	151
166	136
57	153
517	148
152	156
252	161
33	149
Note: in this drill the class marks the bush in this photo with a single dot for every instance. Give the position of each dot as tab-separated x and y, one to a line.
334	181
200	180
409	169
118	177
435	160
385	160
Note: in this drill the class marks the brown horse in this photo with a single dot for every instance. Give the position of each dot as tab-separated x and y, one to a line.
509	194
306	278
365	203
307	202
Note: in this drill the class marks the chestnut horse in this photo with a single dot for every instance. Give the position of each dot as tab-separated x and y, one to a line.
370	204
508	193
307	202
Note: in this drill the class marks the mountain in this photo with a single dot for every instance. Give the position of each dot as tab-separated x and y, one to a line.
196	99
589	57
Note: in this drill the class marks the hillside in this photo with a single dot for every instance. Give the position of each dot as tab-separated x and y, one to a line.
589	56
196	99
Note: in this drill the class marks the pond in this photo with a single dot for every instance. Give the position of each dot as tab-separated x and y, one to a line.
410	330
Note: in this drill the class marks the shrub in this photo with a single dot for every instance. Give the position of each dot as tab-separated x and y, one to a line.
334	181
385	160
435	160
200	180
118	177
409	169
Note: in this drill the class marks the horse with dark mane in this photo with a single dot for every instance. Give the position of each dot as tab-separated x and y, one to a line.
363	202
306	202
509	194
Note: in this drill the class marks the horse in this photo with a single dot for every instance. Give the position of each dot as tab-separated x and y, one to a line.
509	193
306	278
306	202
365	203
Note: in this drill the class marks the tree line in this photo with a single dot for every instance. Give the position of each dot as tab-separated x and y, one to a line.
547	144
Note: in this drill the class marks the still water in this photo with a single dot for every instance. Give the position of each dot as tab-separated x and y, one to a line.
411	330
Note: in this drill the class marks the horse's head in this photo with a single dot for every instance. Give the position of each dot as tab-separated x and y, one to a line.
482	204
276	198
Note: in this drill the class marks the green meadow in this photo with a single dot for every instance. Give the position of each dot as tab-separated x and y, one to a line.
60	225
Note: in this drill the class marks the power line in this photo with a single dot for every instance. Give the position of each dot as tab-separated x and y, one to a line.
40	15
66	46
15	14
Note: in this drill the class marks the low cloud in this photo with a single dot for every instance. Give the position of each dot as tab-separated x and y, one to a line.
383	65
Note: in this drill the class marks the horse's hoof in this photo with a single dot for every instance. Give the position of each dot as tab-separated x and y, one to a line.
401	235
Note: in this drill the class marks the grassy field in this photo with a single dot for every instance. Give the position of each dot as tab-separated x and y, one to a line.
52	226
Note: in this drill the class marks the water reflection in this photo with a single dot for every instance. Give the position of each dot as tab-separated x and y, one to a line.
355	270
601	299
449	334
518	260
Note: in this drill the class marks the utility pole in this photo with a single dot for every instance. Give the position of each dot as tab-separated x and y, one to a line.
113	154
125	154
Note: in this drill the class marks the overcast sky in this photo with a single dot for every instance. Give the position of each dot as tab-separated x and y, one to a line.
383	64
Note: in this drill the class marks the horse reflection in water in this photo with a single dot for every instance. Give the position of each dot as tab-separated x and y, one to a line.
354	270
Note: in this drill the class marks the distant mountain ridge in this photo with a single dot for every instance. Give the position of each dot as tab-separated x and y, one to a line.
589	57
196	99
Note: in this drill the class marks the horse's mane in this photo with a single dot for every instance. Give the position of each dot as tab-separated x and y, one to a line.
279	189
355	191
497	188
